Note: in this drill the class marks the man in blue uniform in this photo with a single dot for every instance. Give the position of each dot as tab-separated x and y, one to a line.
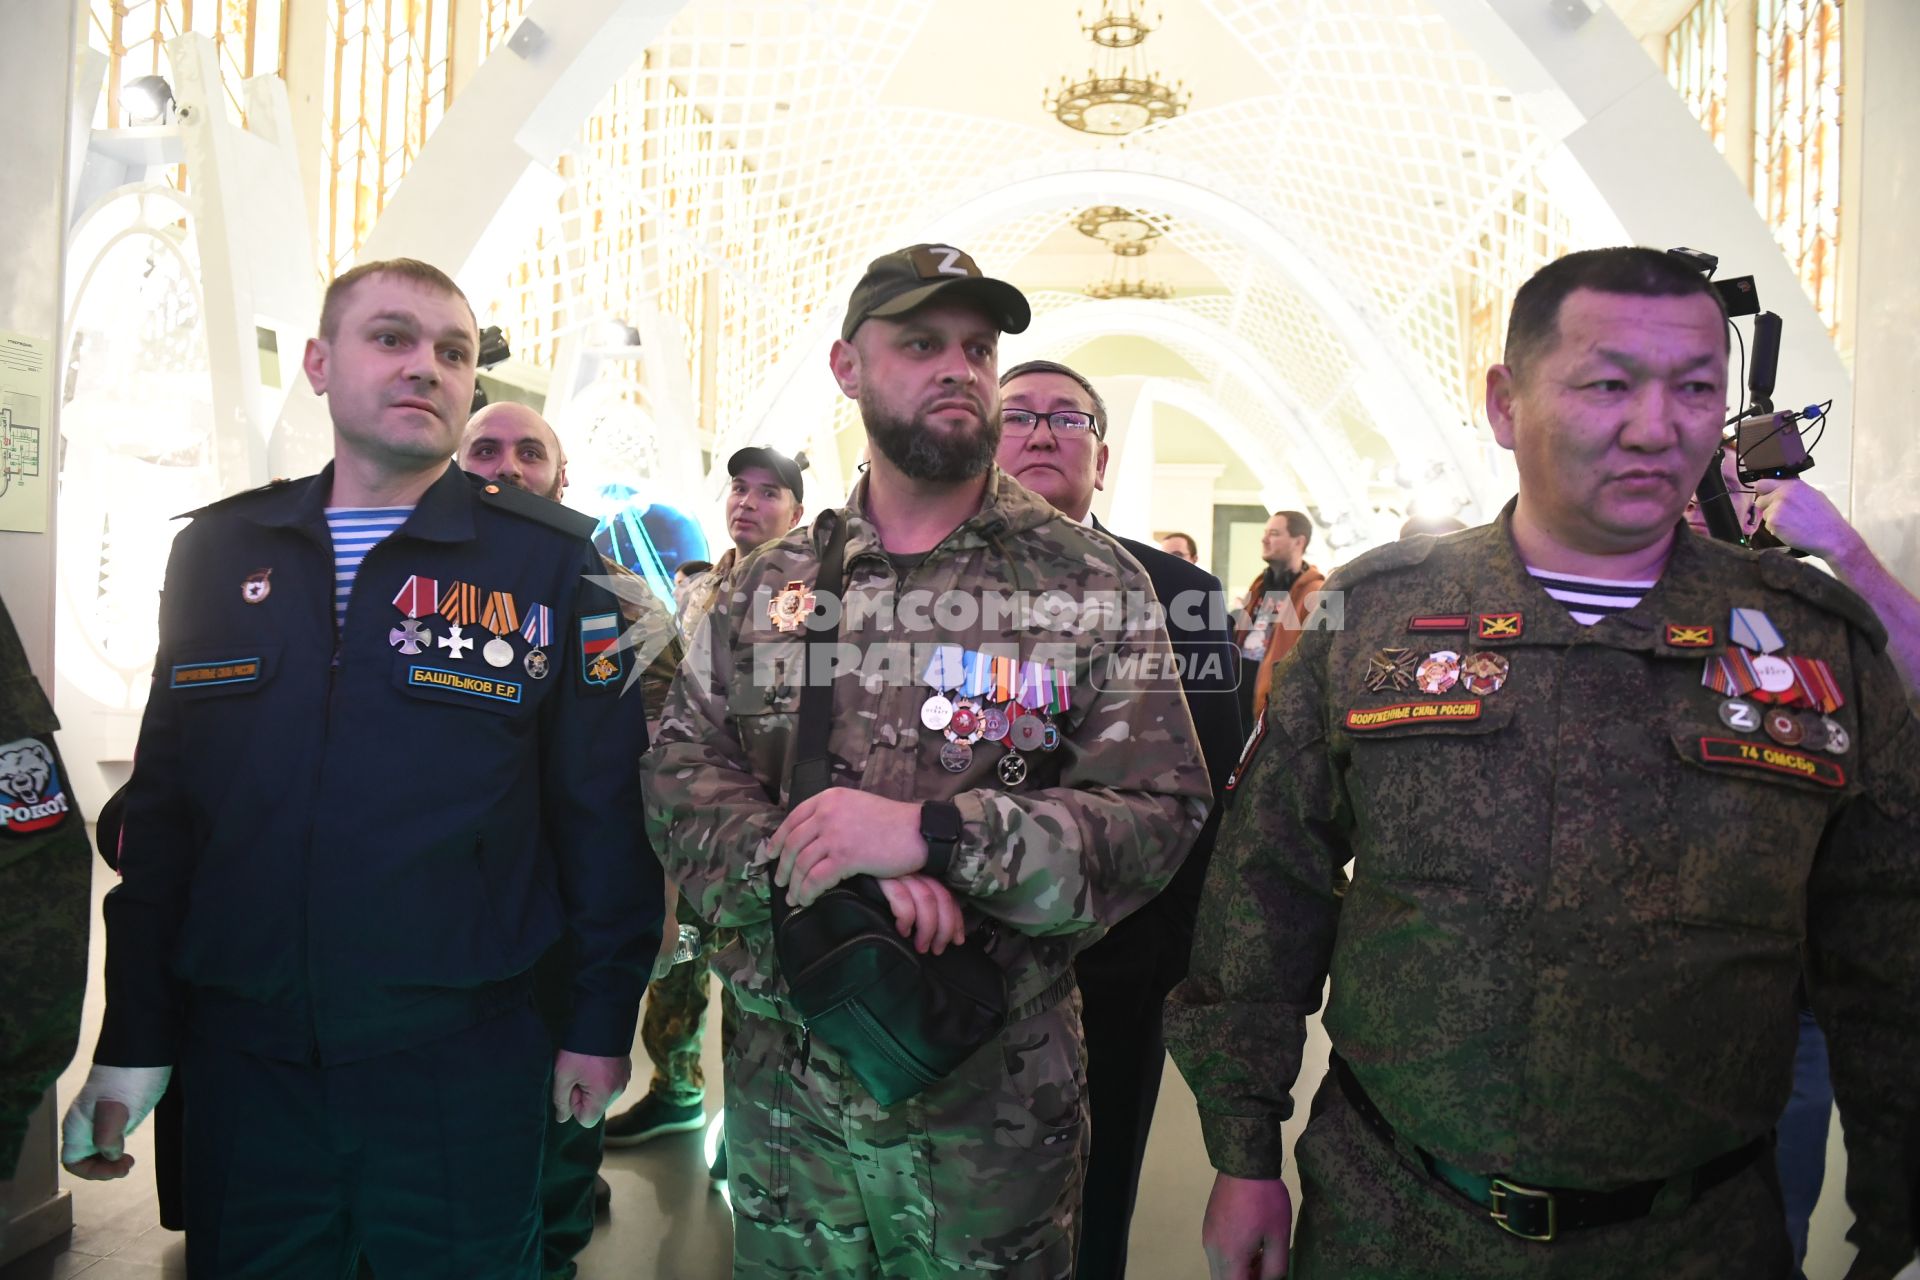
385	764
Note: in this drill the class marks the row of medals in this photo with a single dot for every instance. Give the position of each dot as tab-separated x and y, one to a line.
420	597
1399	670
414	636
966	721
1811	730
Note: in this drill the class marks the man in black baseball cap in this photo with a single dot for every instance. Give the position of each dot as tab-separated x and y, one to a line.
907	279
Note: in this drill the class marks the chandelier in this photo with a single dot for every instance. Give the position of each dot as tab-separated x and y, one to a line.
1119	93
1125	232
1128	278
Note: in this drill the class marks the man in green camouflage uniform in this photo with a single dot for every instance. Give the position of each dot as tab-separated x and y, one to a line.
45	873
1586	860
1054	841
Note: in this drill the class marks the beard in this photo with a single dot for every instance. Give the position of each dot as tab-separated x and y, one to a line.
921	452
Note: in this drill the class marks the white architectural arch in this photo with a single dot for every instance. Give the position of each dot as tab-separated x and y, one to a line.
1321	459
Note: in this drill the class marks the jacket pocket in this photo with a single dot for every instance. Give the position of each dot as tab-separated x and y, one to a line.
1417	767
1755	813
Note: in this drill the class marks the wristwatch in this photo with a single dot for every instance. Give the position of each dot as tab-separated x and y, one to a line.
940	825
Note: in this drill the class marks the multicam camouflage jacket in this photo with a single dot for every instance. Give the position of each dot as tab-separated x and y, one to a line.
1061	838
1586	861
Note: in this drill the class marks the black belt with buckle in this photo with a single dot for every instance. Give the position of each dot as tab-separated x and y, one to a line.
1543	1213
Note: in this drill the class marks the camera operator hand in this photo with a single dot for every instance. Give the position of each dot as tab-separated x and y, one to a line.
1802	517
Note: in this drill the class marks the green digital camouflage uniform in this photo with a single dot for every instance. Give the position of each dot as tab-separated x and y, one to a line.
1569	948
45	870
982	1171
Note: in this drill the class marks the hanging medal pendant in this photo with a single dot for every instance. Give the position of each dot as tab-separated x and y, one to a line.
1028	731
410	637
497	652
536	664
996	724
955	757
1013	768
936	713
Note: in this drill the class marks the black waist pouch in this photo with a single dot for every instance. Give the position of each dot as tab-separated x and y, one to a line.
900	1020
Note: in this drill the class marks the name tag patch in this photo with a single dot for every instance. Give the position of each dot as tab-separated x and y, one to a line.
1771	759
193	675
1361	719
486	688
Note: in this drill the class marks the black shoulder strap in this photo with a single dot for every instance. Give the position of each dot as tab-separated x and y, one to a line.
810	769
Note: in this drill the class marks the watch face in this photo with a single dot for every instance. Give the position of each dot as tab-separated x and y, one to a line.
940	821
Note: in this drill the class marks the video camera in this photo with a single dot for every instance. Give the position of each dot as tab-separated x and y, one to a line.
1767	442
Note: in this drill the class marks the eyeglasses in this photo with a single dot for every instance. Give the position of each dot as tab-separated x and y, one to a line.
1065	422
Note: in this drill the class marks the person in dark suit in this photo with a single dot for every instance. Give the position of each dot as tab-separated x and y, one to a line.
1053	426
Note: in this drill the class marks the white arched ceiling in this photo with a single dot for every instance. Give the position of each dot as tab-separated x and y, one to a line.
1322	459
1383	156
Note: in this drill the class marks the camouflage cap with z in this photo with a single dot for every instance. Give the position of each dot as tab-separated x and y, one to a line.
907	279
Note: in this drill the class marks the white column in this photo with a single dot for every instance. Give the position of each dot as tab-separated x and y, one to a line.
42	43
1886	454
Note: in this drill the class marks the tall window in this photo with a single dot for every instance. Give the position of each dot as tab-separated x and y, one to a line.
250	35
386	87
1697	65
1796	147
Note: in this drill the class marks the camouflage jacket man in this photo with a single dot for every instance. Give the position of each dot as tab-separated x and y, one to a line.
1053	859
1582	878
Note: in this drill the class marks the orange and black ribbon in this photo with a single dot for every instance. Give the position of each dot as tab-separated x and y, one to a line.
502	616
460	604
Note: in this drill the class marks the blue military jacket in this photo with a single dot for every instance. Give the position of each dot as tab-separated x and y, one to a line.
334	847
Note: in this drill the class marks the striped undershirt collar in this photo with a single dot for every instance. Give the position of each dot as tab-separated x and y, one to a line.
1591	599
356	531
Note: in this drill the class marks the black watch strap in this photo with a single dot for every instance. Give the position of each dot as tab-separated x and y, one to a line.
940	825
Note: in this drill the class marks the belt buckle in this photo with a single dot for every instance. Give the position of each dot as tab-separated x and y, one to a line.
1516	1210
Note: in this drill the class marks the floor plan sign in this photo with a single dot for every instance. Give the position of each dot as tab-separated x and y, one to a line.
26	451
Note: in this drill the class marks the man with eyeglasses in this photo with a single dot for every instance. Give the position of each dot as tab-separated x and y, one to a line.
1053	427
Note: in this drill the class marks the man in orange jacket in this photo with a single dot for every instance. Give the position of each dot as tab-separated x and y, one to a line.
1277	604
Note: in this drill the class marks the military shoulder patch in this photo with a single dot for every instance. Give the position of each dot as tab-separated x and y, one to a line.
1770	759
601	662
31	797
